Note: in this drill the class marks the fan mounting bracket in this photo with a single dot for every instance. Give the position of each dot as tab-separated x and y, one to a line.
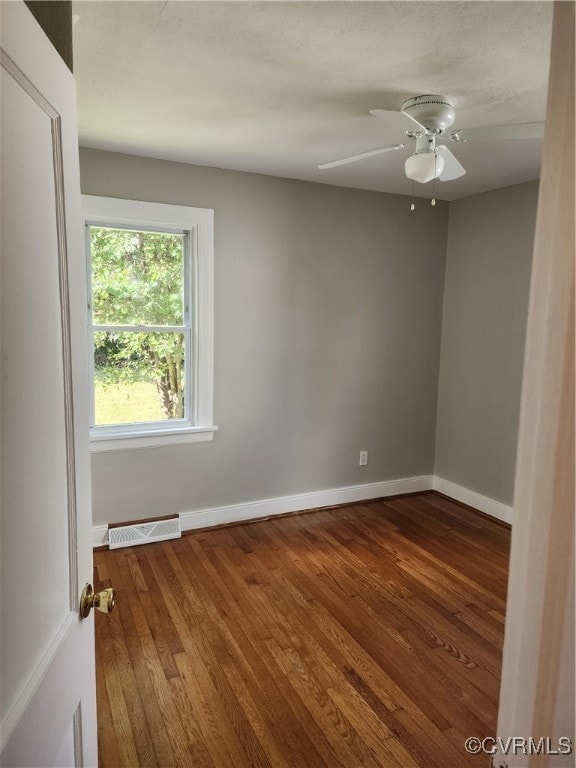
433	112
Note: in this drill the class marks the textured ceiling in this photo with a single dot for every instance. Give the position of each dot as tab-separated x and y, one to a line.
279	87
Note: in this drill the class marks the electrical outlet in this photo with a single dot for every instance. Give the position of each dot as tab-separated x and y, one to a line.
363	458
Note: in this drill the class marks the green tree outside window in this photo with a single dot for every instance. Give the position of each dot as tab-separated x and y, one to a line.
138	284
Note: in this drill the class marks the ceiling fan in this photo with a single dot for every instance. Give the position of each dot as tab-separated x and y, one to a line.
425	119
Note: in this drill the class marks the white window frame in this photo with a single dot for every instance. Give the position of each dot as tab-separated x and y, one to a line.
197	226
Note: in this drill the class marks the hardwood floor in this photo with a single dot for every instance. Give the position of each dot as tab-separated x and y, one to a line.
366	635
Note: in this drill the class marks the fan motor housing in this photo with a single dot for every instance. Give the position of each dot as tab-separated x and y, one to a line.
434	112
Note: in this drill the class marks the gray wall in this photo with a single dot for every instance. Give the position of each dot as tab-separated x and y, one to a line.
490	239
327	340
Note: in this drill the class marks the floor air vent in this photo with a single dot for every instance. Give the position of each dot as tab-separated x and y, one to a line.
144	533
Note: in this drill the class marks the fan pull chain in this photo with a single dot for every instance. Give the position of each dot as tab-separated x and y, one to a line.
433	201
412	206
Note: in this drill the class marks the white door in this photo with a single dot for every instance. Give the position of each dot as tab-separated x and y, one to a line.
47	703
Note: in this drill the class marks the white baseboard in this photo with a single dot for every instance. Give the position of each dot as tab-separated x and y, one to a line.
99	535
235	513
253	510
466	496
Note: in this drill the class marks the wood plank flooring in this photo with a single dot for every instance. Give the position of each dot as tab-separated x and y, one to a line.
366	635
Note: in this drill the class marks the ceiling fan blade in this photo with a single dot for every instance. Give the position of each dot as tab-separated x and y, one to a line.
452	168
514	131
361	156
395	117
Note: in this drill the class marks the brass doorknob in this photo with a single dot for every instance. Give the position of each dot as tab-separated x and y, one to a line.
103	601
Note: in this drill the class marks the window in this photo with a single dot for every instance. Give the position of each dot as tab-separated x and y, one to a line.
150	322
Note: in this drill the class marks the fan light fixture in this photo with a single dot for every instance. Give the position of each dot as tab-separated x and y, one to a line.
424	166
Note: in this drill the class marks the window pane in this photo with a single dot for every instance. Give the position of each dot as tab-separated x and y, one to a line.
138	377
137	277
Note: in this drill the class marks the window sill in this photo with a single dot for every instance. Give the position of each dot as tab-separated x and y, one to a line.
154	438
